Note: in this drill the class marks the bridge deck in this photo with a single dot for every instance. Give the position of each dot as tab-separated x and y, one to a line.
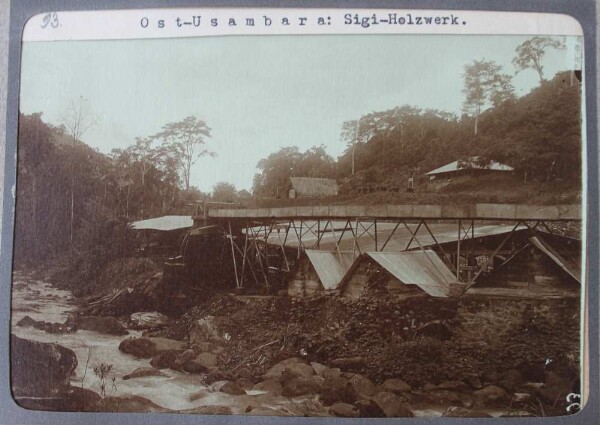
449	212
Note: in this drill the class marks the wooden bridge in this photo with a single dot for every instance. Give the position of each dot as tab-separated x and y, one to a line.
468	239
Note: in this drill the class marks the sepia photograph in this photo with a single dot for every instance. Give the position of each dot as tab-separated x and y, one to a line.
345	224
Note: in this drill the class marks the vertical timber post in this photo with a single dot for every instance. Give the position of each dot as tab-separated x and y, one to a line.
458	251
237	282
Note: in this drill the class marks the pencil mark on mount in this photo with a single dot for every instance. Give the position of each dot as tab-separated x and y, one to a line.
50	19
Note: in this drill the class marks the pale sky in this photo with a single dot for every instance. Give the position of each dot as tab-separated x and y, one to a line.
257	93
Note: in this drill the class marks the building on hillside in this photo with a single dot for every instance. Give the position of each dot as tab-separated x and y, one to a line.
467	168
312	187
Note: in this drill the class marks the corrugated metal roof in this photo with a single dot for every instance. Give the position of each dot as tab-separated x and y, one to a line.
568	266
328	266
165	223
422	268
472	163
309	186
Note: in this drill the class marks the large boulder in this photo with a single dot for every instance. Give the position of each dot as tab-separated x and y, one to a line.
272	386
27	322
74	399
207	360
293	367
129	404
344	410
193	367
147	320
369	409
335	388
40	369
148	347
392	405
396	386
227	387
106	325
490	395
165	359
183	358
301	385
142	372
362	385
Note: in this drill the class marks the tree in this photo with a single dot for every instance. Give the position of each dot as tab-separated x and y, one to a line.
531	52
76	120
349	135
224	192
144	156
484	83
185	140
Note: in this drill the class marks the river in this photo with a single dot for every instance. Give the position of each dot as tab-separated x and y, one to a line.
41	301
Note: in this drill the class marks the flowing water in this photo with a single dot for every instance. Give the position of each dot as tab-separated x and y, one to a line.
40	301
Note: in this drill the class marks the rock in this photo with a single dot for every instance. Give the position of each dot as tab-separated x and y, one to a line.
165	360
206	360
245	384
183	358
74	399
138	347
147	319
27	322
396	386
344	410
429	387
208	410
336	388
141	372
319	368
147	347
267	411
166	344
40	369
369	409
272	386
362	385
434	329
491	376
489	395
244	373
193	367
452	385
204	330
293	367
129	404
199	394
106	325
461	412
391	405
555	387
349	363
448	397
204	346
302	385
227	387
474	382
512	379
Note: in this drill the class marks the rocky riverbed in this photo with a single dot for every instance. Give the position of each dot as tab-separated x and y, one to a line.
215	365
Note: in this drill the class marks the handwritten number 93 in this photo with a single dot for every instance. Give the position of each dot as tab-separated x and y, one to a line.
50	19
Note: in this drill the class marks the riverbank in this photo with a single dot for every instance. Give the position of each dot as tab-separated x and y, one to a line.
325	355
